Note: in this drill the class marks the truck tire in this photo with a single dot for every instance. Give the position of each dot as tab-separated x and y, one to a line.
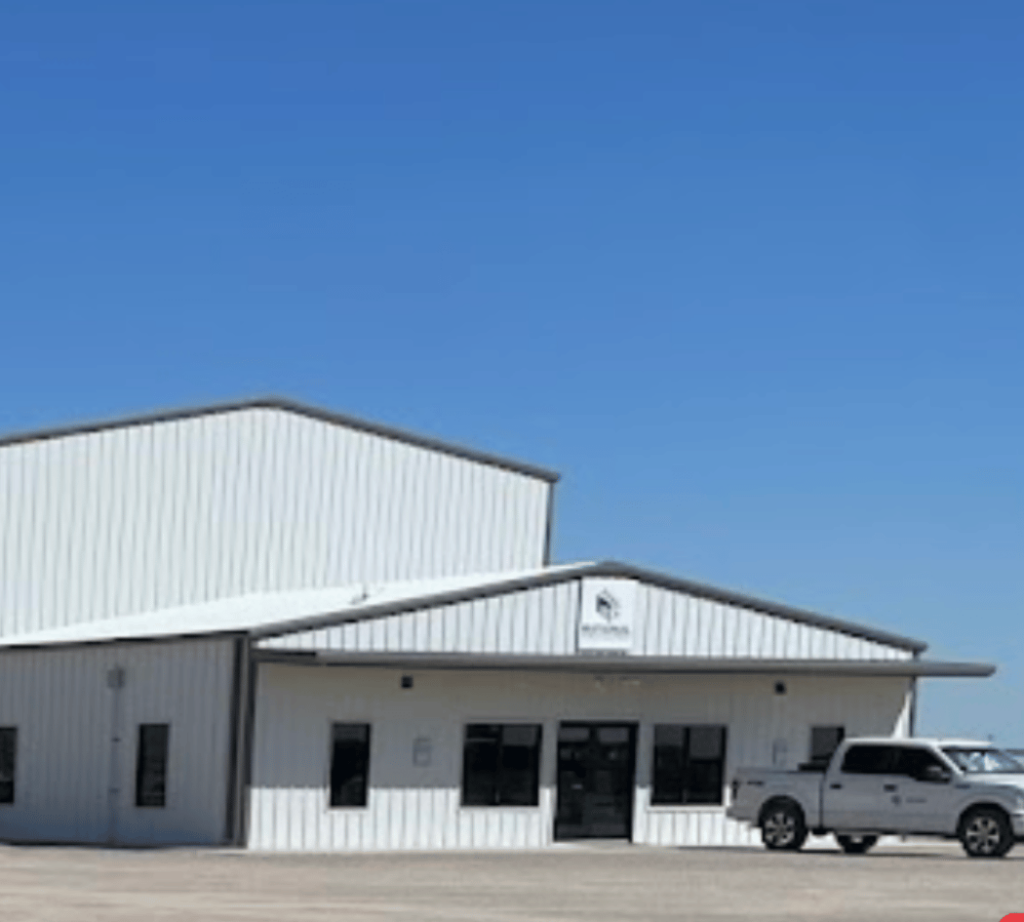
855	845
985	832
782	826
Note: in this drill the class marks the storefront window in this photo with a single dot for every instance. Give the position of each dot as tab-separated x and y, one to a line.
689	764
501	765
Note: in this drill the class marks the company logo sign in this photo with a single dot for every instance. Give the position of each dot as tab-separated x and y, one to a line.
606	616
607	606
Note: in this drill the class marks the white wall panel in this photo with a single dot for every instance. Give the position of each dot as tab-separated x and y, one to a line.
413	807
125	520
66	761
543	621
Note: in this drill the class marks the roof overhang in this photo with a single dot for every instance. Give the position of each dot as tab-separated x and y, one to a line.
631	665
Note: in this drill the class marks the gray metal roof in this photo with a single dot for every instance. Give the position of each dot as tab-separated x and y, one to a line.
555	575
266	615
288	406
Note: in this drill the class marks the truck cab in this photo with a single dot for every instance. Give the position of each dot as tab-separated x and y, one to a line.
876	786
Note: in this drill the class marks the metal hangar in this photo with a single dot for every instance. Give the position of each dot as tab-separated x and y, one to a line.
266	625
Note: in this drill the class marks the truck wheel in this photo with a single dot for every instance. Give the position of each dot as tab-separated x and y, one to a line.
855	845
985	833
783	826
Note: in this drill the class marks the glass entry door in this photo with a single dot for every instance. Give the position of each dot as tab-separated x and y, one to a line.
595	780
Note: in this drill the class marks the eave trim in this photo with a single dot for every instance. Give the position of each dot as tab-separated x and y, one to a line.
631	665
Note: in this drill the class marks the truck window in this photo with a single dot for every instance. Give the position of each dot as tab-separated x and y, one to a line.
914	763
983	760
870	759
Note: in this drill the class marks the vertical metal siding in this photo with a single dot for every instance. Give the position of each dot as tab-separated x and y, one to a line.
413	807
60	702
756	718
126	520
542	621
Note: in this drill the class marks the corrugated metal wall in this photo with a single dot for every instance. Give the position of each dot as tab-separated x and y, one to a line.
543	622
148	516
418	807
66	716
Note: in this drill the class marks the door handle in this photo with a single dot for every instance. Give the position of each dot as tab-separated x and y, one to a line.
836	787
889	787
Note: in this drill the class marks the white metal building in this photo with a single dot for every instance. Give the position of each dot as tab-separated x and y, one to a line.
270	626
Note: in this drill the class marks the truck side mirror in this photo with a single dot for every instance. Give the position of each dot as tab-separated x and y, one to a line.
936	774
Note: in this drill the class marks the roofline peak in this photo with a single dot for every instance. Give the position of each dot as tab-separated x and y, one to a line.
286	405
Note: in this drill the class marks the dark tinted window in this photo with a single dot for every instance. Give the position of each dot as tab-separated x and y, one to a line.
689	764
914	762
8	758
824	742
151	765
350	764
501	765
870	759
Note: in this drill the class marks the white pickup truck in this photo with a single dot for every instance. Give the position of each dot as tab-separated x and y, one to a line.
960	789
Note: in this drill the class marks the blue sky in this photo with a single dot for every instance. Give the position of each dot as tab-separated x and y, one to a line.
748	274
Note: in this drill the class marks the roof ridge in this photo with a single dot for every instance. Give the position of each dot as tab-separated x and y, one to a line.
287	405
434	593
552	575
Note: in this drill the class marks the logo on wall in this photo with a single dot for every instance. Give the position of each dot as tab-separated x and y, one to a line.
606	616
607	606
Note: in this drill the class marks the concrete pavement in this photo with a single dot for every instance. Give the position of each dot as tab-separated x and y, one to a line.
932	882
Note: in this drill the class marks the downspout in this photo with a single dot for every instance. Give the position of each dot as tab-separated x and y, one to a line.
240	767
234	744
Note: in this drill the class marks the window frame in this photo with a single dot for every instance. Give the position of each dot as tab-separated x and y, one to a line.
144	800
12	799
535	768
684	774
367	764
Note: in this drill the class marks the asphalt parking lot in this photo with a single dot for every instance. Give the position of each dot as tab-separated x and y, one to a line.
609	882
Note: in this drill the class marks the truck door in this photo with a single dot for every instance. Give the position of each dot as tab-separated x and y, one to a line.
857	794
925	799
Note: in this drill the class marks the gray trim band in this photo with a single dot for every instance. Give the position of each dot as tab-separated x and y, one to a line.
289	406
11	644
632	665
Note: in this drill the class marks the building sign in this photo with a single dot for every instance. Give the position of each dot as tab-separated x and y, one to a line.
422	751
606	616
